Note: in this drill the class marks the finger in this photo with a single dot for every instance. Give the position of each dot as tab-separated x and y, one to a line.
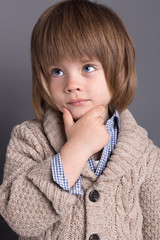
68	120
96	111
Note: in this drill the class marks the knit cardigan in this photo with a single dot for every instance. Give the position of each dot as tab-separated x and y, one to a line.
36	208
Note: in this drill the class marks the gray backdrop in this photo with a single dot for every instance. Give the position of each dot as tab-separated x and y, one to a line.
17	18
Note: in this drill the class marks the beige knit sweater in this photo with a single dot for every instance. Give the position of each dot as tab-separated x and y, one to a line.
38	209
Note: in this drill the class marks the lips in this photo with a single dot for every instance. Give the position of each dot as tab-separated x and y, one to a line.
78	102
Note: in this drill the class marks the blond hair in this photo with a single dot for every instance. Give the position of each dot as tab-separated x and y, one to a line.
74	29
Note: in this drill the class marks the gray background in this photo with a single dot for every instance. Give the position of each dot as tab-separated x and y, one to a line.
17	18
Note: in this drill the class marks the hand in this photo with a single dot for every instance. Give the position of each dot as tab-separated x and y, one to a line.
89	132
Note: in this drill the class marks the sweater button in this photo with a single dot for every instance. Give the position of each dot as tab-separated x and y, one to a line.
94	196
94	237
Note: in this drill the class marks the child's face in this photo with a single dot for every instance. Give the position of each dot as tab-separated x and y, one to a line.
79	86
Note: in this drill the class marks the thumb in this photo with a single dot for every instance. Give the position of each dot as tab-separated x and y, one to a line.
68	121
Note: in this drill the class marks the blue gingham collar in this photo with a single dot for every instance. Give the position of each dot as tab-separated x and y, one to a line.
113	122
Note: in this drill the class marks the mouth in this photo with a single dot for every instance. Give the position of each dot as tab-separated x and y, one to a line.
78	102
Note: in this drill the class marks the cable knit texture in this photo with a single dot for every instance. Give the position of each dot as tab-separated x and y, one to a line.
38	209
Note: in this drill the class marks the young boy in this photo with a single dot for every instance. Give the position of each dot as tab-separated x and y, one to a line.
83	169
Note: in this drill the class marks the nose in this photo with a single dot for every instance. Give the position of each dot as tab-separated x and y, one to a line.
73	84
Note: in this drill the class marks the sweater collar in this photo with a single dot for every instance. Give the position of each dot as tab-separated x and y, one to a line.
131	144
54	129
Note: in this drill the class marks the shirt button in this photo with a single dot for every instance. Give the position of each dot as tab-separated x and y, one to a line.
94	237
94	196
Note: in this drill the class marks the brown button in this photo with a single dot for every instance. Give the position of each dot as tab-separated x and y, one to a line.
94	237
94	196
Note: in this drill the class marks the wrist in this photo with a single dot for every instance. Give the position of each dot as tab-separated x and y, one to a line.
76	149
73	159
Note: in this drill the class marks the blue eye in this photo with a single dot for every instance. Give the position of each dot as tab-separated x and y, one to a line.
57	72
88	68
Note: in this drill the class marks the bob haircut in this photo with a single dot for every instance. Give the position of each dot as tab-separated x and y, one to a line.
74	29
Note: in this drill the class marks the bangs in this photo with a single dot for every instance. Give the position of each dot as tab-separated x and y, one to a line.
72	30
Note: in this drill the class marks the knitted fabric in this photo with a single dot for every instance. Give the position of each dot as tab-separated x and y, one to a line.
38	209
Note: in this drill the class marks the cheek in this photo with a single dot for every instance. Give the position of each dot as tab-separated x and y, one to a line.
57	94
56	98
106	90
55	90
54	93
105	94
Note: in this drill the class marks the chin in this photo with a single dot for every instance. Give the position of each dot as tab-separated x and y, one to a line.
78	112
77	116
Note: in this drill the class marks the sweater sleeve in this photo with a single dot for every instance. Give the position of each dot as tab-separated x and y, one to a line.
150	199
31	201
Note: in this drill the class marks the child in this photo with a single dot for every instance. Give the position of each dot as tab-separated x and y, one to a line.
83	169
